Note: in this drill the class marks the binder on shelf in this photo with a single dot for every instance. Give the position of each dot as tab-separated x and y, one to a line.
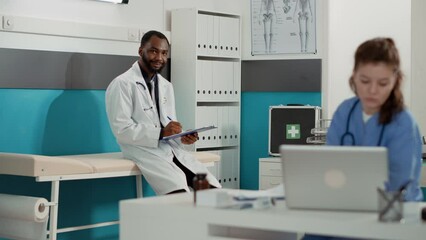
227	157
236	81
202	34
207	116
208	79
234	119
225	126
228	80
200	83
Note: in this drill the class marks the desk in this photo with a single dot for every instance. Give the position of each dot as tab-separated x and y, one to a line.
175	217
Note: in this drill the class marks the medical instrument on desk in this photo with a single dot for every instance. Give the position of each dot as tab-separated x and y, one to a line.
319	132
199	183
350	134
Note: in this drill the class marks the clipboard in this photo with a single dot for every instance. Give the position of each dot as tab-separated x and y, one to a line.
188	132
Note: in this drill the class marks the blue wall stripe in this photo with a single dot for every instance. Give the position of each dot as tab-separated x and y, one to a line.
254	128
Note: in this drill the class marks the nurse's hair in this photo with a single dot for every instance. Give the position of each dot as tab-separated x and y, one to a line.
148	35
382	50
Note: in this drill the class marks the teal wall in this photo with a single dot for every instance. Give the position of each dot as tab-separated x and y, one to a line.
54	122
255	124
59	122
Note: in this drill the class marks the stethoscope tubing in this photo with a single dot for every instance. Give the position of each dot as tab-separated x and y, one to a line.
350	135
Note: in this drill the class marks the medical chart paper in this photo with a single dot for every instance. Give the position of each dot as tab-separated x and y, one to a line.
187	132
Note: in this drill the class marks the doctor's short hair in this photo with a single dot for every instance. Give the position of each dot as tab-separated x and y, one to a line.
148	35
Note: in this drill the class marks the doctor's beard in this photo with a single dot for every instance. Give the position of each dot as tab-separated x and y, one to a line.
148	65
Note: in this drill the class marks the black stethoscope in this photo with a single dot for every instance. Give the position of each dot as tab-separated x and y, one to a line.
350	135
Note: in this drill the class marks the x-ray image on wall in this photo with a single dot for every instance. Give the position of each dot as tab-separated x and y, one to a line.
283	26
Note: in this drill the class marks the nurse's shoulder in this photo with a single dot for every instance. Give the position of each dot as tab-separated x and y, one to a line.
404	119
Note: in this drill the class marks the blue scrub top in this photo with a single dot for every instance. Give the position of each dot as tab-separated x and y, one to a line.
401	137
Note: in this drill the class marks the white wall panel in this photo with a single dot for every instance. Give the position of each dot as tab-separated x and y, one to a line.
351	23
138	13
418	83
79	25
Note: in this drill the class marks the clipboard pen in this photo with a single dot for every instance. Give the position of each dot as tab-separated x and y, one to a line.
188	132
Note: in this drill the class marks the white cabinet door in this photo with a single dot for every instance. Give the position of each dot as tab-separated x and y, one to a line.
205	59
270	172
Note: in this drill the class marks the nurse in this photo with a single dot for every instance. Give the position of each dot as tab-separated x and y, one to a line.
141	111
376	116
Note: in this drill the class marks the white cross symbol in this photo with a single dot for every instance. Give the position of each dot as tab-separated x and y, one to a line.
293	131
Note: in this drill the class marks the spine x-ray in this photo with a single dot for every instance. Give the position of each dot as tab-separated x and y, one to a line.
283	26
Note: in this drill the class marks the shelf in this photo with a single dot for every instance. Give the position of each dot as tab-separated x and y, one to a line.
207	83
218	103
218	58
220	14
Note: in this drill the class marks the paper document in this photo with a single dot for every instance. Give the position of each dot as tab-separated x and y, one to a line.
276	192
187	132
240	199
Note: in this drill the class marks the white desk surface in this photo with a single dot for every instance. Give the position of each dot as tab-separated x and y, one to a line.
175	217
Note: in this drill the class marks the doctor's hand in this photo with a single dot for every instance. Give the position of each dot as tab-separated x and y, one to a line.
172	128
189	139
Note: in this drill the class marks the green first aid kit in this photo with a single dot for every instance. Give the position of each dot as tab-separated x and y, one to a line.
291	125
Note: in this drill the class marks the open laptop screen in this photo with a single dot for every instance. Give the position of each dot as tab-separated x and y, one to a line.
333	177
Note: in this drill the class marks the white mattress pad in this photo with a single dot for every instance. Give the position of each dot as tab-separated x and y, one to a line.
39	165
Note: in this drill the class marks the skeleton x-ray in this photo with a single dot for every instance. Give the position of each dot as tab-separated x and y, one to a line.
283	26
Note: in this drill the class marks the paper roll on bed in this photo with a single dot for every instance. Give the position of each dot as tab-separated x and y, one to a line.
23	217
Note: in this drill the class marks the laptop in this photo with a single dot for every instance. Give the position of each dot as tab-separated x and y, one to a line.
333	177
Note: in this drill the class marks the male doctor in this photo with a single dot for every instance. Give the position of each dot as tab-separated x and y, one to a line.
141	111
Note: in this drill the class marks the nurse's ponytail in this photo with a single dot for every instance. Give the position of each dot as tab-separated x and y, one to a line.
382	50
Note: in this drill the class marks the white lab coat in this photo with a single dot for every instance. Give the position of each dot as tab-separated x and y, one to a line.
134	121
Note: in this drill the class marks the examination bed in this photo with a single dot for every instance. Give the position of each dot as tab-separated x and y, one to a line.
77	167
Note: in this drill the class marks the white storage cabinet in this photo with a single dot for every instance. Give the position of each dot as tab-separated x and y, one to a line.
270	172
206	75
